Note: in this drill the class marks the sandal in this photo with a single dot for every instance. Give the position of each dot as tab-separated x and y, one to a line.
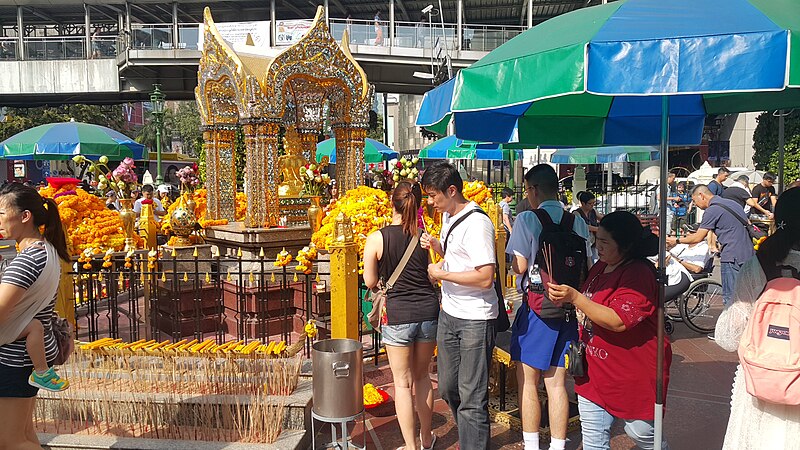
433	442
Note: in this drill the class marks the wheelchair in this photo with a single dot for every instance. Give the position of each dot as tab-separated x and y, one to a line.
699	306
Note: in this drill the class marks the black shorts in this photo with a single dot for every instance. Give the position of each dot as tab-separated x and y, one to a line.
14	382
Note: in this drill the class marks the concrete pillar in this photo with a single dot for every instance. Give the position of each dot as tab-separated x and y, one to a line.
273	28
175	38
530	13
459	24
20	35
391	23
88	25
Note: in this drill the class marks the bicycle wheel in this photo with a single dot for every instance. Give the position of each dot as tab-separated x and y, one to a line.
701	305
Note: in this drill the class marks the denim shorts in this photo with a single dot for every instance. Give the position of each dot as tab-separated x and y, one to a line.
406	334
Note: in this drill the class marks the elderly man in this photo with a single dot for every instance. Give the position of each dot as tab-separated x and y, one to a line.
720	217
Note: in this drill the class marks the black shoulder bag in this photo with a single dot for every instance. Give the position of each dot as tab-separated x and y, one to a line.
753	231
501	323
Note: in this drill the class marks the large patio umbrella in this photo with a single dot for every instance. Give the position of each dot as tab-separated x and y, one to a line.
374	151
63	140
631	72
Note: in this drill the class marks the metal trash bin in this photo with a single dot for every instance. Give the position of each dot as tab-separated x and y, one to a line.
338	378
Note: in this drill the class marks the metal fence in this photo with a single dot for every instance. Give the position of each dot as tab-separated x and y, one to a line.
219	298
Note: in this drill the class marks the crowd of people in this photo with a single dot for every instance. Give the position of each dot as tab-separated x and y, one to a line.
611	309
587	282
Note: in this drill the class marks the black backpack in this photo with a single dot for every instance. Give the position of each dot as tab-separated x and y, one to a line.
569	264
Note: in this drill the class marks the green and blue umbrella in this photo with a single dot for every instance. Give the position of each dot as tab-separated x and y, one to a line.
596	76
450	147
63	140
374	151
605	155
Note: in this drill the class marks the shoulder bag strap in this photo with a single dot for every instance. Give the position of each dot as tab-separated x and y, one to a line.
738	217
406	256
455	224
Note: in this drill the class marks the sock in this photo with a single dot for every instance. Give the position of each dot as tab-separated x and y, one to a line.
557	444
531	440
41	373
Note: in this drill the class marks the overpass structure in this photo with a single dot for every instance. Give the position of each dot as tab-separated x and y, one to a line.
112	51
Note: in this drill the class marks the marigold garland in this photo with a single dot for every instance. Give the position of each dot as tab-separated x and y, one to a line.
368	209
478	192
86	219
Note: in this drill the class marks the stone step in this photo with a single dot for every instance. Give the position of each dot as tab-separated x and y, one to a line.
288	440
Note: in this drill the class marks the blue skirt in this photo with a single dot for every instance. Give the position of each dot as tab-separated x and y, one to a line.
540	343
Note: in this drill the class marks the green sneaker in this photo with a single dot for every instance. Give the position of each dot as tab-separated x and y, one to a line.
50	381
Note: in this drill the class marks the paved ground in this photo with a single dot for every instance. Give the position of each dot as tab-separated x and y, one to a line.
698	404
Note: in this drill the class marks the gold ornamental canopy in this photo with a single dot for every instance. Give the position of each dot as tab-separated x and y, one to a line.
297	89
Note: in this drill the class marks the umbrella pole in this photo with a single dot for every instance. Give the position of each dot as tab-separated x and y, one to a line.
658	423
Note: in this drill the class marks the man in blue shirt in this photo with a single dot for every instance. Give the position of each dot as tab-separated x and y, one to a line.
734	240
715	186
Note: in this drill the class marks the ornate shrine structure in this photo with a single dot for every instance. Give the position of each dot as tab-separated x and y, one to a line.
298	89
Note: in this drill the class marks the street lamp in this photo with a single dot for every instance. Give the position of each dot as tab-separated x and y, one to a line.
157	103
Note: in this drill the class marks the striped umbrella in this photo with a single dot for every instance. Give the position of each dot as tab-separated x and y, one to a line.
63	140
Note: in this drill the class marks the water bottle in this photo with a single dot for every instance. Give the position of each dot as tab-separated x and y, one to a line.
536	279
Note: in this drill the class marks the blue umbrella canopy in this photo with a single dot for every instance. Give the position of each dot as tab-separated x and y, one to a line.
63	140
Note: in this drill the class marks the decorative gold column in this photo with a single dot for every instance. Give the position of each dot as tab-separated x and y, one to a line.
344	282
218	142
270	172
255	181
349	157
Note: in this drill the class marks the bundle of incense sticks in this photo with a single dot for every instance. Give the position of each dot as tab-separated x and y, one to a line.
547	252
430	249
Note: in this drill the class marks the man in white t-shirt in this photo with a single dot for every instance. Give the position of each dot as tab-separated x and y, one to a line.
466	327
538	344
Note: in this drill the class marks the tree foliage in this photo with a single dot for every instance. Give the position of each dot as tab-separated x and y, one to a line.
21	119
791	160
765	139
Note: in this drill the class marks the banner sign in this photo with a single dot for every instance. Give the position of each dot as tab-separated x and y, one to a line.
236	33
290	31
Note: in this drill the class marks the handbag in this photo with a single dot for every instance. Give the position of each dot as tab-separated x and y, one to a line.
575	358
753	231
62	330
378	294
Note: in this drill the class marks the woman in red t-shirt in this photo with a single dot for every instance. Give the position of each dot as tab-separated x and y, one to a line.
619	304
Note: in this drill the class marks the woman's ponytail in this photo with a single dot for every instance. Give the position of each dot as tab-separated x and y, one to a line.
406	199
53	230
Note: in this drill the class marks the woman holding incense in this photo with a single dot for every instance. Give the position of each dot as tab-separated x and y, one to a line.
619	326
27	296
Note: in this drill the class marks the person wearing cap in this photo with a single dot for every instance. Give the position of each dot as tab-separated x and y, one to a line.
163	195
112	202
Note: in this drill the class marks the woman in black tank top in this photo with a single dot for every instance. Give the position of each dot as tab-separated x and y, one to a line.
412	310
